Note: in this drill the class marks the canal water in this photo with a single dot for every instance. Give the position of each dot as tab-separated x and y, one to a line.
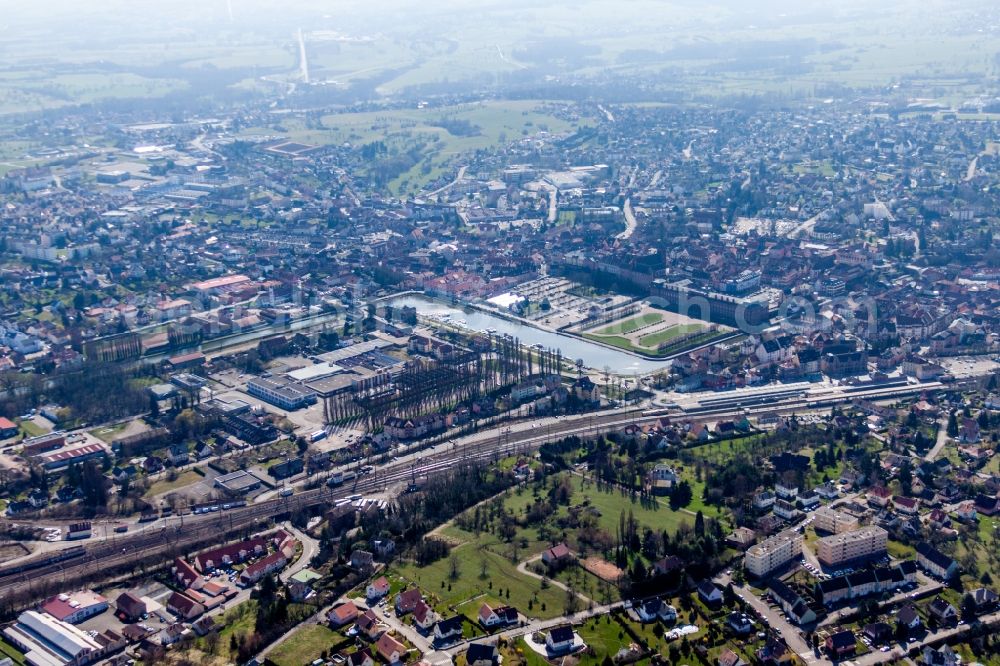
594	356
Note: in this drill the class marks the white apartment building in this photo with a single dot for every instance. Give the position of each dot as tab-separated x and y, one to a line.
773	553
865	543
833	521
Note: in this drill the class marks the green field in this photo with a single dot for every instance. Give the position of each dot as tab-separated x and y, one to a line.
487	564
304	645
649	345
491	124
8	650
631	325
654	340
183	480
470	590
31	429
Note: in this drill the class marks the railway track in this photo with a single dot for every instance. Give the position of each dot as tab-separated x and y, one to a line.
116	552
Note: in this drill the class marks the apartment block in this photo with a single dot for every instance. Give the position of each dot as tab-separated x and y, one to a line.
832	521
854	546
773	553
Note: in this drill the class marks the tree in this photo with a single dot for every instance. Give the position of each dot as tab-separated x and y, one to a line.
952	424
453	567
680	495
968	608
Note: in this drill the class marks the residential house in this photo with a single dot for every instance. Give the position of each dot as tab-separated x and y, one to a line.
362	657
560	640
709	594
936	563
944	612
407	600
840	644
942	656
558	554
343	614
448	629
184	607
389	649
377	588
424	616
878	632
368	625
501	616
740	623
482	654
729	658
909	619
129	607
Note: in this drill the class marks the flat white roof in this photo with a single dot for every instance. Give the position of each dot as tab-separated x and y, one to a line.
311	372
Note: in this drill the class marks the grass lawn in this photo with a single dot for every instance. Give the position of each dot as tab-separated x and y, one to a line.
237	621
654	340
8	650
900	551
183	479
611	504
32	429
469	583
613	340
627	326
605	635
305	645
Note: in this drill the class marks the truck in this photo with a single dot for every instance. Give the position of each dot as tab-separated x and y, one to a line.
285	492
317	436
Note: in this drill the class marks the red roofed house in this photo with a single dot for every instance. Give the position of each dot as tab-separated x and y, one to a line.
130	607
879	495
557	554
389	649
343	614
231	554
424	616
7	428
369	626
500	616
184	607
907	505
185	574
378	588
407	600
257	570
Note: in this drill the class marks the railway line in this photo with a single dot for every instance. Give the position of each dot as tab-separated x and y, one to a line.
181	532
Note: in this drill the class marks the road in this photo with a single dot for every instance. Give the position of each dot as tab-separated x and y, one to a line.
942	439
445	188
537	625
186	531
523	568
796	642
806	226
630	223
970	173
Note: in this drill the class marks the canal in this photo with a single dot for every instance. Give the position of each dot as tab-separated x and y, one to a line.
594	356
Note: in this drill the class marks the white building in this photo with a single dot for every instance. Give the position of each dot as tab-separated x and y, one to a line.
45	641
833	521
773	553
865	543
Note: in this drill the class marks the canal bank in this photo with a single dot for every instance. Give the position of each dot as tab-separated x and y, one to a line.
475	318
